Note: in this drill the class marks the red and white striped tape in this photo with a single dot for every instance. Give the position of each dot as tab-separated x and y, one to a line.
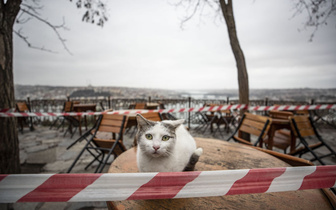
163	185
181	110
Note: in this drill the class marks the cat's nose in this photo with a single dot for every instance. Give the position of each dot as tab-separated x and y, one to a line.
156	147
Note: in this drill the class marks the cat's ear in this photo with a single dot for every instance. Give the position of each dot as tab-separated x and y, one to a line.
173	123
143	121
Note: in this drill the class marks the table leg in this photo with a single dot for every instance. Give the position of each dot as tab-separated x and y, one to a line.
80	125
293	141
270	137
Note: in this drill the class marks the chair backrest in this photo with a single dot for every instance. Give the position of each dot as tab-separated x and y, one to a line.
255	124
112	123
140	106
302	125
67	106
280	114
153	116
22	107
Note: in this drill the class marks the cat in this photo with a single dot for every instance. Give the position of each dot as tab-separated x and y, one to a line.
165	146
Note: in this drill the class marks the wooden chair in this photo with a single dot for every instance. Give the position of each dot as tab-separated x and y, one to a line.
304	127
73	121
225	118
140	106
255	125
23	107
67	107
104	140
282	138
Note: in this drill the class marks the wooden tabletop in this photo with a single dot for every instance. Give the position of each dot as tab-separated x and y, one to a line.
222	155
84	107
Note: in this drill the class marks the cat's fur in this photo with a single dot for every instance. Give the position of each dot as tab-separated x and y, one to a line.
178	153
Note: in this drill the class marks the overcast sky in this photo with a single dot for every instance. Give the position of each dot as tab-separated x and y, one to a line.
143	45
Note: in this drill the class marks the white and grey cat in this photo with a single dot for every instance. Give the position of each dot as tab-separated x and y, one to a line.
165	146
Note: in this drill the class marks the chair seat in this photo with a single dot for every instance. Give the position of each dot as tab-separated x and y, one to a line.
303	149
243	141
108	143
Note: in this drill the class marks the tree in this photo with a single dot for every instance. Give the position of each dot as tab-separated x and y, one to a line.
18	11
225	7
318	12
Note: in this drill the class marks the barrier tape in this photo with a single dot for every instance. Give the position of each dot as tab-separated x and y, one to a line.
194	109
162	185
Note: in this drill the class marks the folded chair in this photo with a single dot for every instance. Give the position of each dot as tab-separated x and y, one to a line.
255	125
23	107
105	139
67	107
304	127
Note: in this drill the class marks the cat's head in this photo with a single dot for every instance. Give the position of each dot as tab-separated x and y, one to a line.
156	139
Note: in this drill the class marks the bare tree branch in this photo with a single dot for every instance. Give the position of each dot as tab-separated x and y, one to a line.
95	13
318	13
25	39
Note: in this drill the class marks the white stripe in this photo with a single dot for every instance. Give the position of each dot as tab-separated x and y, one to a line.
291	180
211	183
23	185
324	106
113	187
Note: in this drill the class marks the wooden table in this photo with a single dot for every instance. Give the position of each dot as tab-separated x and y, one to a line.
152	105
278	124
83	108
222	155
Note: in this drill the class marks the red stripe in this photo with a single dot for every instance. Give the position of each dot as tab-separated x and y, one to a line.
276	107
24	114
297	107
220	107
60	188
255	181
39	114
164	185
191	109
256	108
323	177
286	108
2	176
181	110
318	106
171	110
329	106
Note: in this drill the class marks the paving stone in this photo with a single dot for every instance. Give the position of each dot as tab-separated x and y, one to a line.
37	148
45	156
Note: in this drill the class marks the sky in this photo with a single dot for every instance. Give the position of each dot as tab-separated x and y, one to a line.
143	45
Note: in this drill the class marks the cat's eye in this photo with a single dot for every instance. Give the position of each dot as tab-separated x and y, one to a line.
165	138
149	136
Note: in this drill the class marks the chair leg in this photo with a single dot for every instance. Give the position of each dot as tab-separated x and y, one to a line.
303	141
77	158
102	163
96	158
